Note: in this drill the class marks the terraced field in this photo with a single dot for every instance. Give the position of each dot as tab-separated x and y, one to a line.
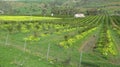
93	41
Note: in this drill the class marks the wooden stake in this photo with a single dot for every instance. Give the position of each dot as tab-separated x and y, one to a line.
48	51
80	59
25	44
6	43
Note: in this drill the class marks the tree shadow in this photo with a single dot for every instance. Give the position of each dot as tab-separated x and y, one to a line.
89	64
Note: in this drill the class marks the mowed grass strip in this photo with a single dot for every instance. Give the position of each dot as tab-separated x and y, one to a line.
25	18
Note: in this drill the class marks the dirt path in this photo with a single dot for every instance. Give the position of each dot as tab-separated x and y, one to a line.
88	44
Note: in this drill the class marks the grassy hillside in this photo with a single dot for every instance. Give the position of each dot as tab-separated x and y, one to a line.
39	7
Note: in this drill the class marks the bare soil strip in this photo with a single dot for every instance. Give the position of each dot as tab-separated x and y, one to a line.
88	44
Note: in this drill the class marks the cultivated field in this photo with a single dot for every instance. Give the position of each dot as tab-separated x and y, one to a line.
30	41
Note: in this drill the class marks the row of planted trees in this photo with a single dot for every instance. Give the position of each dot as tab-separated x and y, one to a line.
82	31
34	30
105	44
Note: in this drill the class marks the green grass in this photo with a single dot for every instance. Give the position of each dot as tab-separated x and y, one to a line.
25	18
13	55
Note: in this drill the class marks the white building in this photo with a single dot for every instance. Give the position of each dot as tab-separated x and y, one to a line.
52	14
79	15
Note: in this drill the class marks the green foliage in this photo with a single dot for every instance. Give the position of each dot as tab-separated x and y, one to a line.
32	38
71	41
58	7
53	32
